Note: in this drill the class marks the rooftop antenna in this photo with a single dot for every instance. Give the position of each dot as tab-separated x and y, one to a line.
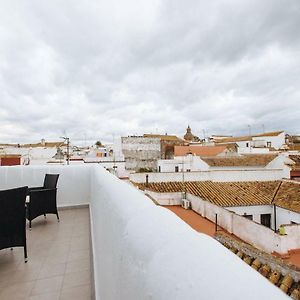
263	128
114	157
249	127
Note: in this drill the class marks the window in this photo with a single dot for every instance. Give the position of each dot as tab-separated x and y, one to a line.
247	145
188	170
269	144
265	219
159	169
249	217
176	169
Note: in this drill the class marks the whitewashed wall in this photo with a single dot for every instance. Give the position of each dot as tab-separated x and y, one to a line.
142	251
280	162
253	150
73	187
285	216
254	233
276	141
166	198
255	211
214	175
109	164
191	162
209	210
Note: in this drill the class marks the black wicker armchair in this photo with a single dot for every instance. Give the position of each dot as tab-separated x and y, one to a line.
42	200
12	219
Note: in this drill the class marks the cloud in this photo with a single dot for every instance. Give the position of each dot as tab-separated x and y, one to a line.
99	69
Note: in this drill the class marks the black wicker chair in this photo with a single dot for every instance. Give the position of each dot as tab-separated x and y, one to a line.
42	200
12	219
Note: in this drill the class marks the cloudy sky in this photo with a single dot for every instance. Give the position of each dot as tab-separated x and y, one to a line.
98	69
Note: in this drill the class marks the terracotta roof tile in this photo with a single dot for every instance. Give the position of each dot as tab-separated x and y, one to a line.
47	144
273	133
296	160
229	194
288	196
199	150
251	160
246	137
163	137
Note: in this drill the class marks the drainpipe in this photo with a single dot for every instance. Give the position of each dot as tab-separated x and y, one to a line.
275	226
273	199
147	180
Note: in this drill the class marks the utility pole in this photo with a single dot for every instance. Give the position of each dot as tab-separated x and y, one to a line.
68	148
249	127
68	151
183	184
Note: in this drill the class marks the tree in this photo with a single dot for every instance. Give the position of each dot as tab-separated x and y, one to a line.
98	144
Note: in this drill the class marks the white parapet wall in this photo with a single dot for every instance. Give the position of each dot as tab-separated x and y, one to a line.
212	175
251	232
143	251
166	198
73	187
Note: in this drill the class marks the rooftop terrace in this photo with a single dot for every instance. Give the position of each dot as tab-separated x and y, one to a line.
138	250
59	260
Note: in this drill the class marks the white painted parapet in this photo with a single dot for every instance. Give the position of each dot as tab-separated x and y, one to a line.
73	186
213	175
142	251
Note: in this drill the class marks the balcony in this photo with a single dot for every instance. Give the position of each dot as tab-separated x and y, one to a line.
114	243
59	260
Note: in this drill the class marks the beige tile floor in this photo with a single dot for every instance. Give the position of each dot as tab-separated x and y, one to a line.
58	264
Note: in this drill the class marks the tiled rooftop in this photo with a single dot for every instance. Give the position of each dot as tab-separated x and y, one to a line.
250	160
199	150
247	138
58	264
296	160
162	137
229	194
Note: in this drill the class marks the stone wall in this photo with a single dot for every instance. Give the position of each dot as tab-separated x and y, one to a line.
141	152
167	148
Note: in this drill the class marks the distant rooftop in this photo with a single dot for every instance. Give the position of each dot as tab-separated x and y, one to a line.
34	145
164	137
296	160
246	137
249	160
199	150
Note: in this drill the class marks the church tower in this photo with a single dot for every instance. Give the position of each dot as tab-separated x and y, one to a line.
188	136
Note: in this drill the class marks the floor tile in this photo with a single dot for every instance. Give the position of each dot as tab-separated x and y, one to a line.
82	292
76	278
58	264
47	285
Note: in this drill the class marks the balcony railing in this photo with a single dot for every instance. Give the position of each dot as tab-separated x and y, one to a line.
143	251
